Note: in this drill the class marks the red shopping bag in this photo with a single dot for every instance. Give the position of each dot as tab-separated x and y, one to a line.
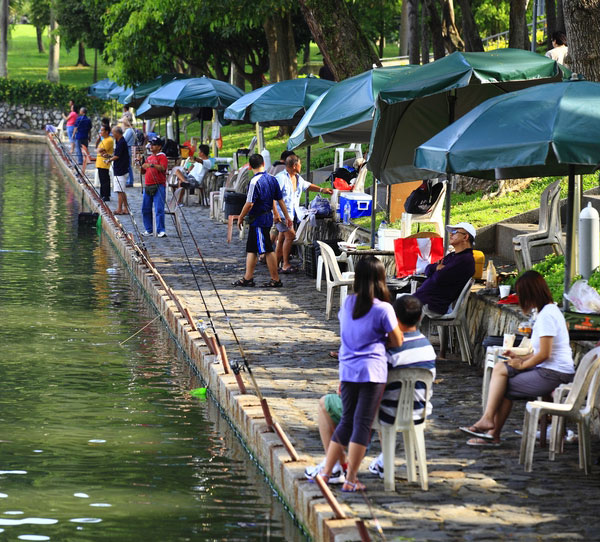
413	255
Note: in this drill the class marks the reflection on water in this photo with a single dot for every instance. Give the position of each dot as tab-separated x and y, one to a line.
101	441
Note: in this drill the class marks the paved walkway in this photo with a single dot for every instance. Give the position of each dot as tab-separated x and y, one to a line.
474	494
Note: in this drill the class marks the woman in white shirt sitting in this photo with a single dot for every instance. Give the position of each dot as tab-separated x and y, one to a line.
530	376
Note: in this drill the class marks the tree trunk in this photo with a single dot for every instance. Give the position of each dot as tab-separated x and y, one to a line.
39	34
345	48
291	50
414	56
550	21
449	29
381	29
306	55
424	35
435	27
54	53
95	65
3	38
517	34
560	16
472	37
582	23
404	29
81	61
271	35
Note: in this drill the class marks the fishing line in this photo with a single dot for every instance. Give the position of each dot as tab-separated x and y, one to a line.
139	330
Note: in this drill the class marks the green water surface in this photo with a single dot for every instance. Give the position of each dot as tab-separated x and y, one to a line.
99	441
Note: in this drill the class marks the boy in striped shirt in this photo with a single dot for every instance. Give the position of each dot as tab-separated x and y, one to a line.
416	351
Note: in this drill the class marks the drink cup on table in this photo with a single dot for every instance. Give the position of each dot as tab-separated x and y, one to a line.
509	341
504	290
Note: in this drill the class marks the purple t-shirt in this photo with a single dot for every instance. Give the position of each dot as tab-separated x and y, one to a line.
362	354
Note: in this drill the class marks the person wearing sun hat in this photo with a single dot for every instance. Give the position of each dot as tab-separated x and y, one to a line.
447	277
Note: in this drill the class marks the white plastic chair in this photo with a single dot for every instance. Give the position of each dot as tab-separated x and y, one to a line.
342	258
413	435
457	319
338	160
549	231
575	407
335	278
433	216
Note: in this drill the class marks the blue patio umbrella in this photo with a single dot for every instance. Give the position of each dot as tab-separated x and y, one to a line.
119	93
101	88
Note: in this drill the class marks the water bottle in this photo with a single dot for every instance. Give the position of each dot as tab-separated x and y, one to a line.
347	213
381	235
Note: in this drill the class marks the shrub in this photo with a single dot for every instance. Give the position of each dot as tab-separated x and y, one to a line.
48	95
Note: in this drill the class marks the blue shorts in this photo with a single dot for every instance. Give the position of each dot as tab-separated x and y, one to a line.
259	240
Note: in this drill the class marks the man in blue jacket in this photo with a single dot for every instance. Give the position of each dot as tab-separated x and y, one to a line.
81	134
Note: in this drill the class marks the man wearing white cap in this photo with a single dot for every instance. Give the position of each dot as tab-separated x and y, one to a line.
446	278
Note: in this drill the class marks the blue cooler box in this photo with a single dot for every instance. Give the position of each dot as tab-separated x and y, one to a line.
360	204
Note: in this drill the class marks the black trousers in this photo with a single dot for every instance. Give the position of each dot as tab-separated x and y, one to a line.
104	177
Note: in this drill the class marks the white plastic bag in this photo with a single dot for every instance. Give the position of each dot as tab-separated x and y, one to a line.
583	297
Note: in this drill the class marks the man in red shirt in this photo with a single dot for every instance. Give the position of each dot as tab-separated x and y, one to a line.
155	180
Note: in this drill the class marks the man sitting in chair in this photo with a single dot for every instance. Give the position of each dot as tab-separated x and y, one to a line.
446	278
195	177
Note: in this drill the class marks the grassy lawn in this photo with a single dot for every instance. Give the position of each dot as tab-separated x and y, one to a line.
24	61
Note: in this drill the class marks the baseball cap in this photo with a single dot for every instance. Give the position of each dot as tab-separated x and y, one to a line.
465	226
156	141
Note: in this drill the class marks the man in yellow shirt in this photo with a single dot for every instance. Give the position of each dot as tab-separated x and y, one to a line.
105	150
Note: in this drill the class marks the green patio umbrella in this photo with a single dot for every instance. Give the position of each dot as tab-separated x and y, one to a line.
344	114
101	88
436	94
142	90
279	104
551	129
188	95
119	93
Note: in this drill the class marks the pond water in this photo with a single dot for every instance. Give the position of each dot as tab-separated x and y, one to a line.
101	441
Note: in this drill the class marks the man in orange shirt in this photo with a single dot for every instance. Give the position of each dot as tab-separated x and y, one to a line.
155	180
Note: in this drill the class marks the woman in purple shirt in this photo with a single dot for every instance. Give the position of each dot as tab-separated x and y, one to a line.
367	322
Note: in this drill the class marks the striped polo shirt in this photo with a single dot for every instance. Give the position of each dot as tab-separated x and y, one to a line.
416	352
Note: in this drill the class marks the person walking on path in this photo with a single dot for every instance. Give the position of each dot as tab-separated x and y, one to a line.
81	133
367	322
292	186
155	180
263	192
527	377
105	149
120	170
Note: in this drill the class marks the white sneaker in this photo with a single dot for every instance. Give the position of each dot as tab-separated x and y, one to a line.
146	233
161	234
376	466
337	474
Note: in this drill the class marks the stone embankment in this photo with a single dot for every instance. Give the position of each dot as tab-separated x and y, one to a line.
30	117
474	493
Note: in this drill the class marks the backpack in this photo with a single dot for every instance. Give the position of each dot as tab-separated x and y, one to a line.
139	138
171	149
420	201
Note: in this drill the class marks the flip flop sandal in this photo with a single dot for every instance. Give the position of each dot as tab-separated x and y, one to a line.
273	284
483	442
325	478
289	270
353	487
474	431
243	282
